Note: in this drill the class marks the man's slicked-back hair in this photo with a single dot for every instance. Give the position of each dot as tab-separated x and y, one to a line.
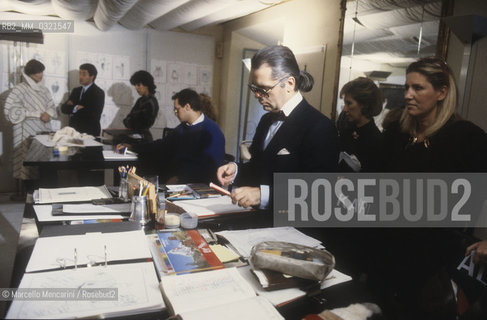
283	62
188	96
90	68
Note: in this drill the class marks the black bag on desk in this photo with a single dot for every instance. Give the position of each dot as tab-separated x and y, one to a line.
292	259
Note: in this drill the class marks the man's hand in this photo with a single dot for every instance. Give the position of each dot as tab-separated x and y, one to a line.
69	103
45	117
480	251
120	148
79	107
226	174
246	196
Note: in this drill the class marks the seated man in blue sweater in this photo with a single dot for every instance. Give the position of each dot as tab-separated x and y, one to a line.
191	153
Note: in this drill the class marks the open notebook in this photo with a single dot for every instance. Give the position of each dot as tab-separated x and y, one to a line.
220	294
134	284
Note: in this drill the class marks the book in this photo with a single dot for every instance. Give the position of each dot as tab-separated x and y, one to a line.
274	280
182	251
133	286
220	294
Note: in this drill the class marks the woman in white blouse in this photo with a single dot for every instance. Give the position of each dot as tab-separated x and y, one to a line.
30	108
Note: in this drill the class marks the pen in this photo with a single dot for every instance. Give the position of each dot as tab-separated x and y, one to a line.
220	189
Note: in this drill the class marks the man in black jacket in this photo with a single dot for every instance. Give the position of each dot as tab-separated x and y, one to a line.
85	103
292	137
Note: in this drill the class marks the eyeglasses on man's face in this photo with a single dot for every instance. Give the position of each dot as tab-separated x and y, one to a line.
265	91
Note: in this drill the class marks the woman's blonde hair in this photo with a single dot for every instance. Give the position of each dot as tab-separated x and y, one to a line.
440	76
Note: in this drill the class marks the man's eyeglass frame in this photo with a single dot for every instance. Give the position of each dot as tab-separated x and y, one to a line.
265	92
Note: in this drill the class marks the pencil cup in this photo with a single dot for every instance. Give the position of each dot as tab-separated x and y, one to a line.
139	210
123	189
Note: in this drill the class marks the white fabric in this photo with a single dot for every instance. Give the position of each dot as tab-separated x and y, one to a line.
76	10
23	108
144	12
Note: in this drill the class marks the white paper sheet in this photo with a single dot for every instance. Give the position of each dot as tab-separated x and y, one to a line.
72	194
112	155
137	286
210	206
277	297
44	214
244	240
57	252
91	208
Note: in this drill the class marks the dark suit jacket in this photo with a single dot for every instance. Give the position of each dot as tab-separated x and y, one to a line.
86	120
310	138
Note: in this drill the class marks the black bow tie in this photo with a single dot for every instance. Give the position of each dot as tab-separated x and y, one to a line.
278	116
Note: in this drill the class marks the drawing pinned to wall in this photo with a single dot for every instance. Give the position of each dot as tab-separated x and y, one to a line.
205	75
160	92
158	70
86	57
58	87
35	52
171	90
55	63
104	66
174	72
189	74
121	67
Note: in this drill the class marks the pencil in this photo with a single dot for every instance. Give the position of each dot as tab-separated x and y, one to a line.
220	189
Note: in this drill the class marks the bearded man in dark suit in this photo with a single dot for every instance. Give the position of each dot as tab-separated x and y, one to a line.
292	137
85	103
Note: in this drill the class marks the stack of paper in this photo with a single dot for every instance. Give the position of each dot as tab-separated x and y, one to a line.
112	155
89	249
133	285
244	240
73	194
209	206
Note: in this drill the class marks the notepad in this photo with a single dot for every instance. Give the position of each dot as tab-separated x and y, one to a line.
58	252
136	285
112	155
220	294
72	194
225	255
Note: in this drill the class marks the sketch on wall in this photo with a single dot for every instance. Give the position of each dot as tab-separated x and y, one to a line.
189	74
104	66
58	86
158	70
174	72
121	67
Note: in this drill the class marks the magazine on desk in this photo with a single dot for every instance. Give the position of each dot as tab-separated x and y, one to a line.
181	251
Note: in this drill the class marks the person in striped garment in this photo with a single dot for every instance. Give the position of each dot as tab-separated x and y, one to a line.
30	108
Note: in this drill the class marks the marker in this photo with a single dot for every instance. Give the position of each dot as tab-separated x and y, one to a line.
220	189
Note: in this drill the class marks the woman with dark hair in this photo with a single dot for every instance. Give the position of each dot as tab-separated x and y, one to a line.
30	108
361	142
144	113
